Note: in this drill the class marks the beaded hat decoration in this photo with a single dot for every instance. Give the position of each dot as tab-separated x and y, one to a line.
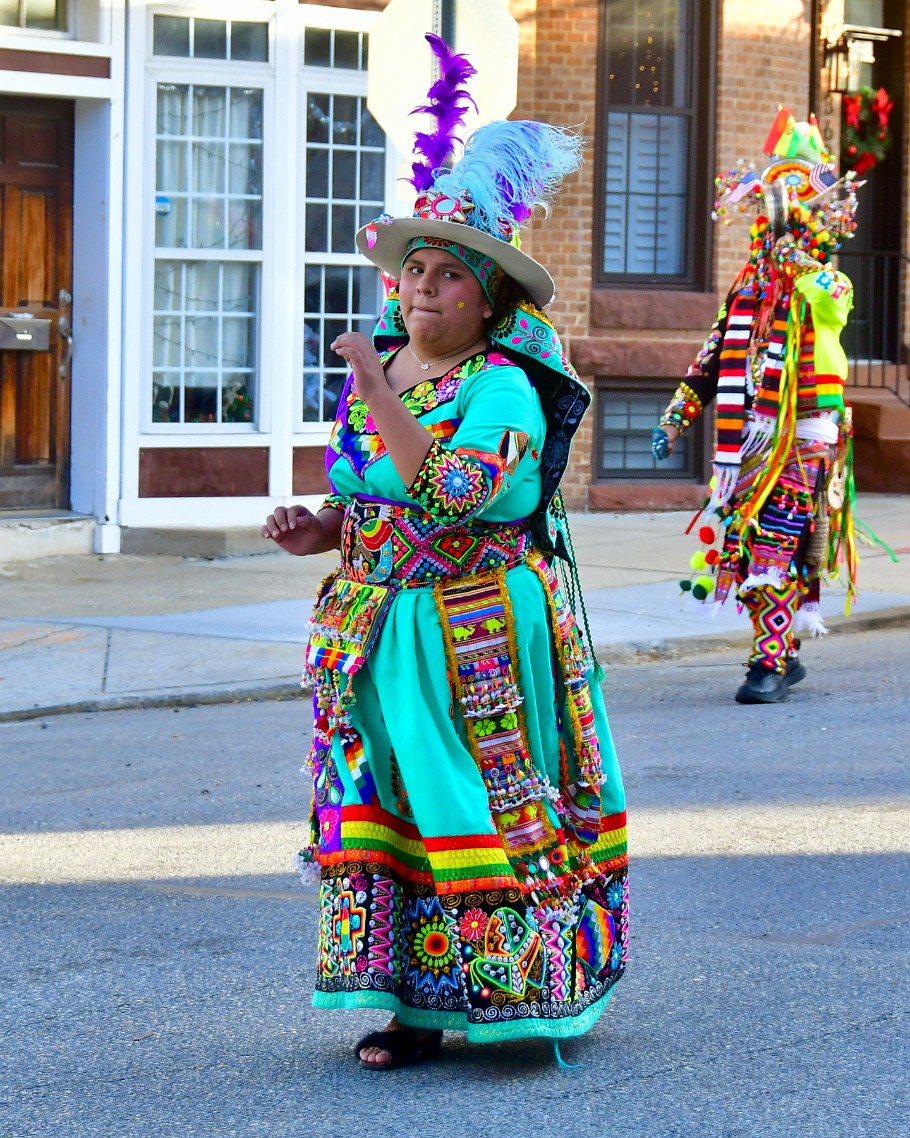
482	200
801	173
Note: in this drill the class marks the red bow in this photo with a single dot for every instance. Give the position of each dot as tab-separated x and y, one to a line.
851	104
881	105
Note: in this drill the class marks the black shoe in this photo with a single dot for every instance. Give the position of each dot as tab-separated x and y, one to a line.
762	685
794	671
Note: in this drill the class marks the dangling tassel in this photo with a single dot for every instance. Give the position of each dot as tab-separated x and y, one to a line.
725	475
560	1062
576	598
785	427
759	433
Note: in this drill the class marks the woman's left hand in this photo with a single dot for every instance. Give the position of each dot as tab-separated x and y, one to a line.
359	354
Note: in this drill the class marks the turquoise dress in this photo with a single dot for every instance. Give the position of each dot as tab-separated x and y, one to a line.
468	823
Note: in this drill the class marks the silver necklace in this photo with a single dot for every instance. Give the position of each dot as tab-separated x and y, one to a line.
432	363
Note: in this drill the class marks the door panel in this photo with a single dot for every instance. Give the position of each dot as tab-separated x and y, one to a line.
36	203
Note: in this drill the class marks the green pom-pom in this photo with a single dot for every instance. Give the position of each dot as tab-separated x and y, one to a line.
706	583
685	586
699	592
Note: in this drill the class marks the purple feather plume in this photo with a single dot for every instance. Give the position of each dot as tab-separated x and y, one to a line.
447	101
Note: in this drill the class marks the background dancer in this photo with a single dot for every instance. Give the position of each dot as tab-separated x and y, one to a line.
779	514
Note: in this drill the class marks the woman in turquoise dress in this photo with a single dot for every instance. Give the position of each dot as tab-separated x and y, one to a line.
468	820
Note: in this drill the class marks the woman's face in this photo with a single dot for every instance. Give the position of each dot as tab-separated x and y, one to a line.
442	303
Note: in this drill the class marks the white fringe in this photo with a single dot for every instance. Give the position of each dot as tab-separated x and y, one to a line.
758	435
725	479
808	620
773	576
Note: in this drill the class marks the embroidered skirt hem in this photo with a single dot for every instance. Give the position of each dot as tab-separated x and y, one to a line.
565	1028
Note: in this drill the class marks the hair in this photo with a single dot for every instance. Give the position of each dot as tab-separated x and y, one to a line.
509	296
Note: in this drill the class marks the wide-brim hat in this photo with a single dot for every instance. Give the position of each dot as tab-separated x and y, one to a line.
480	202
385	242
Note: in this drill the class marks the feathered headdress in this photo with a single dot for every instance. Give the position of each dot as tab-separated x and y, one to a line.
799	179
507	169
479	202
447	101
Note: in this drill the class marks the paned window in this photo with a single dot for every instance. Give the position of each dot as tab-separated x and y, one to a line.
335	47
41	15
208	259
345	155
626	415
652	90
190	37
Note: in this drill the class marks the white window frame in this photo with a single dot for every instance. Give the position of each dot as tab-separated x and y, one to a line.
72	16
89	31
278	424
343	82
214	73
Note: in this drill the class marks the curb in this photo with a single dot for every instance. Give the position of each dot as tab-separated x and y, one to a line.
272	692
677	647
627	652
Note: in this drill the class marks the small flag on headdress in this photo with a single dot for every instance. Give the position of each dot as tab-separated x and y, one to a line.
822	176
781	133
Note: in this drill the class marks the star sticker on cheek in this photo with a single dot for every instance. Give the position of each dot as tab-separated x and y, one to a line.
461	304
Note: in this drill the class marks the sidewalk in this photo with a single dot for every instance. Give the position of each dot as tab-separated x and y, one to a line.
90	632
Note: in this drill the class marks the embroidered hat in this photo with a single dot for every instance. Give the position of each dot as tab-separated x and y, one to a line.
483	199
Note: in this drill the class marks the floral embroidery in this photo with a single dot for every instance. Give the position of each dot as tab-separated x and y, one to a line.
615	895
455	483
473	924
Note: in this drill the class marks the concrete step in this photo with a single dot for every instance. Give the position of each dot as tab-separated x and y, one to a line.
878	414
218	541
26	535
881	452
880	377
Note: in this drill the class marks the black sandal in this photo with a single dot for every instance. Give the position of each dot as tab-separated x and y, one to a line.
404	1047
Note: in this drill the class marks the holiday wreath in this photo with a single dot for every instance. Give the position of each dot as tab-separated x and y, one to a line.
865	138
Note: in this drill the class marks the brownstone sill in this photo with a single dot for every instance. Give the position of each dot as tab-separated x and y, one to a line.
653	497
652	309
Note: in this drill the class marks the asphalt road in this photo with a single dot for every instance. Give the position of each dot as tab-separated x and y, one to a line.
157	951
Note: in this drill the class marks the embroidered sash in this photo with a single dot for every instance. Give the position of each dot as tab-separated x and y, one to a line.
344	626
479	635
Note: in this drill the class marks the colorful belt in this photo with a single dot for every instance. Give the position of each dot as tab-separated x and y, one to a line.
403	548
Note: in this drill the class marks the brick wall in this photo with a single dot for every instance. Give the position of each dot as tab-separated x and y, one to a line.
557	84
763	60
764	57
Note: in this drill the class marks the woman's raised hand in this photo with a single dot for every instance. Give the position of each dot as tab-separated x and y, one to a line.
297	530
358	353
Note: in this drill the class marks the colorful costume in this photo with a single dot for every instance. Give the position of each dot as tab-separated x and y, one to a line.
779	514
468	822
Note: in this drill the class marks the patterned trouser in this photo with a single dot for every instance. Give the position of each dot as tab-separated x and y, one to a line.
772	609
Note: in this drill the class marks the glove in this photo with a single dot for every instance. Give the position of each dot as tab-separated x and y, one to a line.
660	444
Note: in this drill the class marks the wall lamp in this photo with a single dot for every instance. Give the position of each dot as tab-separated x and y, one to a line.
845	56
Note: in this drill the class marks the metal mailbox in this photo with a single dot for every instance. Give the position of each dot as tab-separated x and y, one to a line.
24	333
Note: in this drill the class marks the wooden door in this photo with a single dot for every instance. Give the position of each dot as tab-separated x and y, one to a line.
36	217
